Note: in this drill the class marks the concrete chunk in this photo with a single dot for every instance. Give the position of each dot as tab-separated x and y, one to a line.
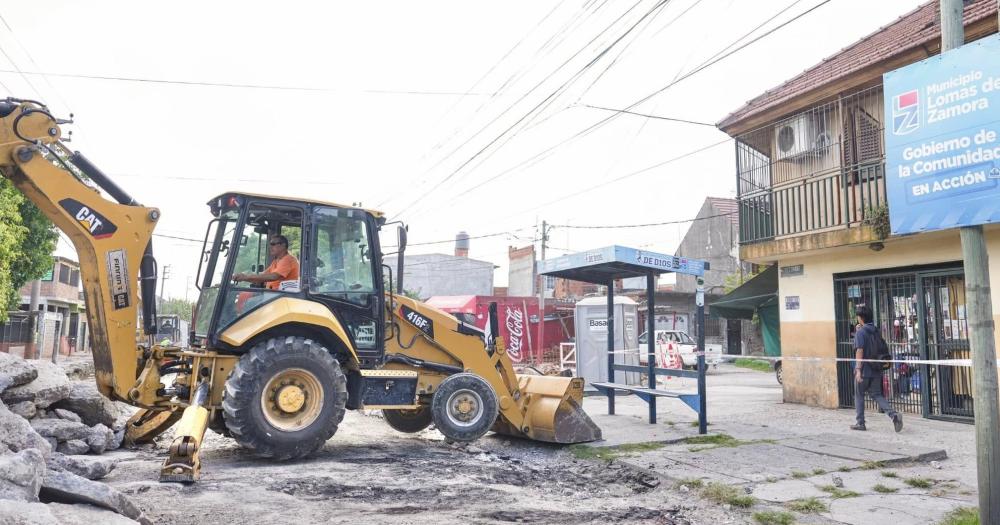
62	413
86	515
25	409
15	371
100	439
21	475
61	429
73	447
17	434
89	467
50	386
88	403
25	513
66	487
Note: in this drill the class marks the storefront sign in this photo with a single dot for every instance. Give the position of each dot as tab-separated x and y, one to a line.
942	139
514	322
792	271
791	302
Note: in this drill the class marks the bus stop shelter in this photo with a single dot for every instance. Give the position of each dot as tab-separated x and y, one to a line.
604	266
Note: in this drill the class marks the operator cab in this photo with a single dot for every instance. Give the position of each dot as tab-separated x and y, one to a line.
339	263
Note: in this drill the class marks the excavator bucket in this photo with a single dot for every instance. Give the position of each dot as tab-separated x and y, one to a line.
553	411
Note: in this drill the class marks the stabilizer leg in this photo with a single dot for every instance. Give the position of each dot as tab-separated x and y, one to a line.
184	463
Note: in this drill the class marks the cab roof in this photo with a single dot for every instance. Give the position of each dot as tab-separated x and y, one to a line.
375	213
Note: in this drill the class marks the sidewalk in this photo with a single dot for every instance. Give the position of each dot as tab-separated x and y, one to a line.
784	453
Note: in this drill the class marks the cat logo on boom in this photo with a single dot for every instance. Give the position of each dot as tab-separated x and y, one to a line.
96	224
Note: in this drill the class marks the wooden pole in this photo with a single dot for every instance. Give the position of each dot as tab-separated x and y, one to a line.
979	308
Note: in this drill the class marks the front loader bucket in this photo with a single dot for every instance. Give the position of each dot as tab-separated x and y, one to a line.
553	411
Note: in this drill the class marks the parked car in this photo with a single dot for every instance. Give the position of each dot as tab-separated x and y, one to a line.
687	347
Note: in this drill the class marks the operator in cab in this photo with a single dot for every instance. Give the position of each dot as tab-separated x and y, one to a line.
284	266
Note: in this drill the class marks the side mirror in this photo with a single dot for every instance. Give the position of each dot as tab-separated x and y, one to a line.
400	256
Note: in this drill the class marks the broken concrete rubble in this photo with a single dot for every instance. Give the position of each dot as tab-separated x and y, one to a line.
89	467
17	434
100	439
61	429
25	409
92	407
62	413
21	475
73	447
51	385
15	371
66	487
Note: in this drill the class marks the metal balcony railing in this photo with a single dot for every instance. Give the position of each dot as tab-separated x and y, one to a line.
818	170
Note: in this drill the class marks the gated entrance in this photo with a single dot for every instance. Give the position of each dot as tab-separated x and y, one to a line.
921	313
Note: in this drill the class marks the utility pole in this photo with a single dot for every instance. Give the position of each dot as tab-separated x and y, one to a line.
36	321
541	293
980	315
163	280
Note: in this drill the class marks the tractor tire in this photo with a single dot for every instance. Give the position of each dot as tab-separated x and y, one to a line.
465	407
218	425
285	398
777	372
408	421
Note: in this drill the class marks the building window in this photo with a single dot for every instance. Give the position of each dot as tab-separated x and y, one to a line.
64	272
74	278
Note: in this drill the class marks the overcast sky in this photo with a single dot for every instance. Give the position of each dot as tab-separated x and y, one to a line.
406	106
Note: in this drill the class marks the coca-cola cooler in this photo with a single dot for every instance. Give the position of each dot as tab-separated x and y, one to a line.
591	320
518	322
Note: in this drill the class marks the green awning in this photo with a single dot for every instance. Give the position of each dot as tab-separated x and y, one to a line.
756	293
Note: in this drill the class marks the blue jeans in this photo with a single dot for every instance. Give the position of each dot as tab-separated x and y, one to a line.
872	386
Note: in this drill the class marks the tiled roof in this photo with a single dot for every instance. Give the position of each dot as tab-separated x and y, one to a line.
725	206
911	30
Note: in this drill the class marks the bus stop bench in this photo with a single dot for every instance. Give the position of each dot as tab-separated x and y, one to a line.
646	394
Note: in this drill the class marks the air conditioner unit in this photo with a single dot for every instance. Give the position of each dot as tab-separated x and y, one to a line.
802	136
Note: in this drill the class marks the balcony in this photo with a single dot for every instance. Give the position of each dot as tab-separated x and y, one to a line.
810	180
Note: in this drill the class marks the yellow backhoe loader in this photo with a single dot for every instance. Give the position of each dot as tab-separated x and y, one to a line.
273	367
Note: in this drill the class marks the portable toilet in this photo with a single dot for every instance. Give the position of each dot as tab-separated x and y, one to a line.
591	320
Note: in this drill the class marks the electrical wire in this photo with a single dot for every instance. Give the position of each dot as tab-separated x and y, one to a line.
646	115
244	86
621	226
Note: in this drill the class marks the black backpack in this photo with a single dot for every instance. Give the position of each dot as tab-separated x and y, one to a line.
882	350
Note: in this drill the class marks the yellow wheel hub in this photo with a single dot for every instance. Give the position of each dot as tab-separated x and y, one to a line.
292	399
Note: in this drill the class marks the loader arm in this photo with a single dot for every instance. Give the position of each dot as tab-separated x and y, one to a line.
543	408
112	239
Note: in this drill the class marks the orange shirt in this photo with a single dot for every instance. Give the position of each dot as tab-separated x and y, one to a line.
287	267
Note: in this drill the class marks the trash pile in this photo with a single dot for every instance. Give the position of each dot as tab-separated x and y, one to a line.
53	430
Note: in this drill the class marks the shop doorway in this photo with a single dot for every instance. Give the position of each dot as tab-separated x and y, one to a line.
922	315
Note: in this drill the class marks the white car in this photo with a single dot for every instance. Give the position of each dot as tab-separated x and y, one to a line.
686	347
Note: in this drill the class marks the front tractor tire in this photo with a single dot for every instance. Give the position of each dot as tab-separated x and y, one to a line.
464	407
285	398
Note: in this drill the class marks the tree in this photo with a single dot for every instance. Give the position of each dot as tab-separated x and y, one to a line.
178	307
27	240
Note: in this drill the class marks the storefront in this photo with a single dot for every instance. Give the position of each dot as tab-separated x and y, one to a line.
921	312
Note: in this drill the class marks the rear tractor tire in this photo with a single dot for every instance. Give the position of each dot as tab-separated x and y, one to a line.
408	421
465	407
285	398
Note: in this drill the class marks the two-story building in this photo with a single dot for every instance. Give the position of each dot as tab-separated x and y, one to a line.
812	200
63	309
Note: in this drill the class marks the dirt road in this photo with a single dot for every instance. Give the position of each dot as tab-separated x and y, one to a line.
369	473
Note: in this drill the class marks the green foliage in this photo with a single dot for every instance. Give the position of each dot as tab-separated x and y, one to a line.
178	307
719	441
798	474
818	472
889	474
722	493
919	483
962	516
878	218
691	483
808	505
610	453
773	518
27	240
872	465
838	492
882	489
754	364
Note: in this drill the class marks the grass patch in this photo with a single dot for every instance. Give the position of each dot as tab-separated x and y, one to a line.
962	516
882	489
889	474
798	474
719	441
872	465
754	364
721	493
695	424
838	492
773	518
818	472
918	483
610	453
845	468
808	505
691	483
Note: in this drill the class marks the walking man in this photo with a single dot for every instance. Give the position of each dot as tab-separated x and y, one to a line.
868	376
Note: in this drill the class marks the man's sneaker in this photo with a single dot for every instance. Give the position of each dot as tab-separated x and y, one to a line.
897	422
858	427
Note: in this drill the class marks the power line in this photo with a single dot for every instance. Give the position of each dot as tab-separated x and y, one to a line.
549	98
225	180
622	226
199	241
244	86
657	117
705	65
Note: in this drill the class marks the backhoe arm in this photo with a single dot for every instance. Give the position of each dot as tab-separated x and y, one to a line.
112	239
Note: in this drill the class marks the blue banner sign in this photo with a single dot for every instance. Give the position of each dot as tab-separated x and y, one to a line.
638	260
942	139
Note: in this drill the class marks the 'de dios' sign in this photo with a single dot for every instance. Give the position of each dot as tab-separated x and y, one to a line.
942	139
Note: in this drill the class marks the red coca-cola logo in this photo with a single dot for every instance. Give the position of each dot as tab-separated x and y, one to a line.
514	319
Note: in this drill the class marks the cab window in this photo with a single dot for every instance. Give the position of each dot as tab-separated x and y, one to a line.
343	265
